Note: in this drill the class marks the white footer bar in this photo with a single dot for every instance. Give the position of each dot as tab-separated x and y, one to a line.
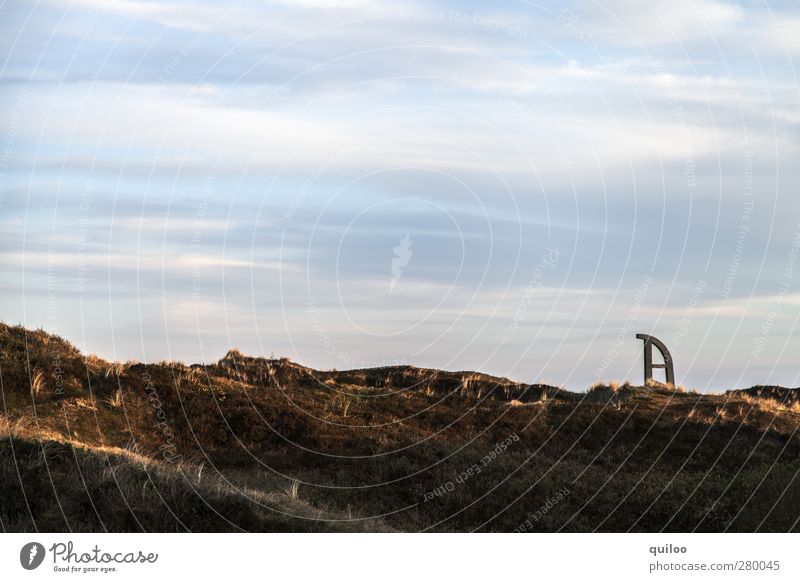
399	557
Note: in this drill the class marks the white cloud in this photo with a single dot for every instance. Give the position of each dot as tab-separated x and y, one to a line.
133	260
265	90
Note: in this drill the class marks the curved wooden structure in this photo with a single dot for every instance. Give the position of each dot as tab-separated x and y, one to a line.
649	342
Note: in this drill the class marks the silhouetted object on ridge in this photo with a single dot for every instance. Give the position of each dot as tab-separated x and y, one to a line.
649	342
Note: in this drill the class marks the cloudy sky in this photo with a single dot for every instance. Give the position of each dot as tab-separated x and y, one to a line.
512	187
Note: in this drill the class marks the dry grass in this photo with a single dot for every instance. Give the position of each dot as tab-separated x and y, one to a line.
405	422
115	370
468	381
11	428
346	407
771	405
87	403
37	382
164	497
612	386
294	490
116	400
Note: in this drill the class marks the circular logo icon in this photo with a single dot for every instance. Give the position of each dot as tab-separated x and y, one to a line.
31	555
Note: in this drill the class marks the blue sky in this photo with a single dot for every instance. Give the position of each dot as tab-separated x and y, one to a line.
512	187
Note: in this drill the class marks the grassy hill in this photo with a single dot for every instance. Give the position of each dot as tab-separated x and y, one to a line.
260	444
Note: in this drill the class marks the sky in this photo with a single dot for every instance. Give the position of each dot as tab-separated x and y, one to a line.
512	187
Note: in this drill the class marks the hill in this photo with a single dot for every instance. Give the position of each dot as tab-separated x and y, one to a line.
257	444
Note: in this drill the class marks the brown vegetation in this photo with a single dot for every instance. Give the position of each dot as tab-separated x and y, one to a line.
261	444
